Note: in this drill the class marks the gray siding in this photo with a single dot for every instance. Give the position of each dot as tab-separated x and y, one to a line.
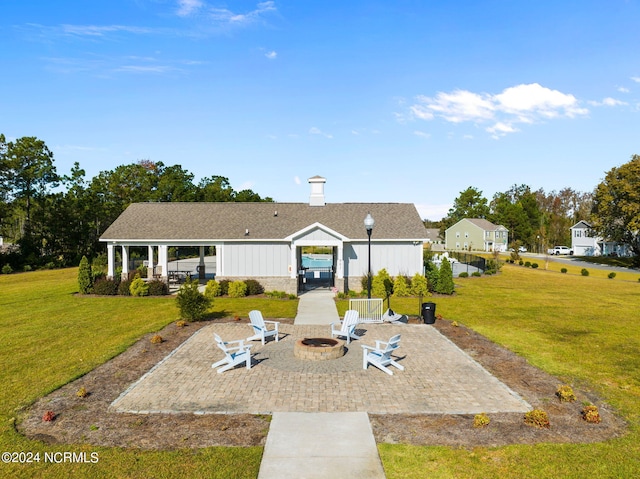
396	258
256	259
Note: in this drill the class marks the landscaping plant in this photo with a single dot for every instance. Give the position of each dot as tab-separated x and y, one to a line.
192	303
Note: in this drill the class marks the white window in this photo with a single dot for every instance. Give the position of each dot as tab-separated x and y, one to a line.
466	245
457	234
466	235
457	245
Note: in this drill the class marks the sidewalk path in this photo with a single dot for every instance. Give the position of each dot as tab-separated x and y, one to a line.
317	307
320	445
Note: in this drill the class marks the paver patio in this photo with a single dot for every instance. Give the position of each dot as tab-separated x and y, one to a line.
439	378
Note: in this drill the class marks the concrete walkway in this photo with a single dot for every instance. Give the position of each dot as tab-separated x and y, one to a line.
320	445
316	306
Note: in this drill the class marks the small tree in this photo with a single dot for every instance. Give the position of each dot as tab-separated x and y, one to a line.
381	285
400	286
85	282
192	303
445	278
419	286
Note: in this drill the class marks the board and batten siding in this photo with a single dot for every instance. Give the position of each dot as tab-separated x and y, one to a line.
256	259
396	257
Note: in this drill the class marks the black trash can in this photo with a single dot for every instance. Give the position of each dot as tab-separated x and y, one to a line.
429	313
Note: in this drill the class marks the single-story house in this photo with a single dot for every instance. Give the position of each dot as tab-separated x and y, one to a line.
476	234
264	241
584	242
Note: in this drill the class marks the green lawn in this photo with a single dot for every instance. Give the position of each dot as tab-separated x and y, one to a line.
51	336
582	329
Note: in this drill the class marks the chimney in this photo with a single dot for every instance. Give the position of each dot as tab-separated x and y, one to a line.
317	191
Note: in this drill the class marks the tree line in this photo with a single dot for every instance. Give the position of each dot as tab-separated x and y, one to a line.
53	218
536	219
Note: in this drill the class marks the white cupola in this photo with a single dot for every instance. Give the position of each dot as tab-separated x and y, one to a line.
317	191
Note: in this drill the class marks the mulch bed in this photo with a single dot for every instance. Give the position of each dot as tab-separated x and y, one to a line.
87	420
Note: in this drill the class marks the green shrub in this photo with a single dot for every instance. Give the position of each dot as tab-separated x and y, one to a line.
419	285
520	262
192	303
476	274
401	287
584	272
142	270
84	276
7	269
464	274
26	268
212	289
381	286
591	414
527	264
253	287
534	265
138	287
611	275
224	287
158	288
445	278
481	420
565	393
563	270
99	265
276	294
237	289
537	418
105	287
123	287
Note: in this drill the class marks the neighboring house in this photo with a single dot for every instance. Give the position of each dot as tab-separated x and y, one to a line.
584	242
434	240
475	234
264	241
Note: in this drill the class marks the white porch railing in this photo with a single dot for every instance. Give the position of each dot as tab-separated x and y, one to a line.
369	310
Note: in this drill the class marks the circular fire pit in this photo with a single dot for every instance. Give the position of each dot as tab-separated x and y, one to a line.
318	349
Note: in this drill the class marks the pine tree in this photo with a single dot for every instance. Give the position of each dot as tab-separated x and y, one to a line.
84	276
445	278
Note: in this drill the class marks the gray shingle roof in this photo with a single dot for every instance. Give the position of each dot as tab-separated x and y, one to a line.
228	221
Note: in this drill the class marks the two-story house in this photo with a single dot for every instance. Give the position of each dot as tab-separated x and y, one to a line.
476	234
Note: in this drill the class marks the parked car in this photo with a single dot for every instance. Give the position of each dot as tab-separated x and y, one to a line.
558	250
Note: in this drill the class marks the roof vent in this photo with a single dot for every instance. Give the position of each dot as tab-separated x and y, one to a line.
246	232
317	191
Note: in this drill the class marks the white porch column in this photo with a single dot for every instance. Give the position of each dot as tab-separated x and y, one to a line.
125	262
219	250
340	265
111	261
294	262
163	262
150	267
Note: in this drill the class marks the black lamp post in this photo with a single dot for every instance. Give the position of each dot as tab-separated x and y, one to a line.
368	224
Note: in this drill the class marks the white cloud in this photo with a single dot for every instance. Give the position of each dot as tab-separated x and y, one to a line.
608	102
636	79
226	16
525	103
622	89
100	31
296	180
422	134
317	131
271	55
188	7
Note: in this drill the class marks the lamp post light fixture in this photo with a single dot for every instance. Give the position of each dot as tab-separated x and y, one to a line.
368	224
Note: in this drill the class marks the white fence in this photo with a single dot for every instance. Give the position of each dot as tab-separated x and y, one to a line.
369	310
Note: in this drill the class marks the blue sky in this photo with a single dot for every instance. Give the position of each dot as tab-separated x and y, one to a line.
391	101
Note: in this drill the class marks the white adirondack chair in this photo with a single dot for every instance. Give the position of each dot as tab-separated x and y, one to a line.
260	328
347	326
233	355
380	356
